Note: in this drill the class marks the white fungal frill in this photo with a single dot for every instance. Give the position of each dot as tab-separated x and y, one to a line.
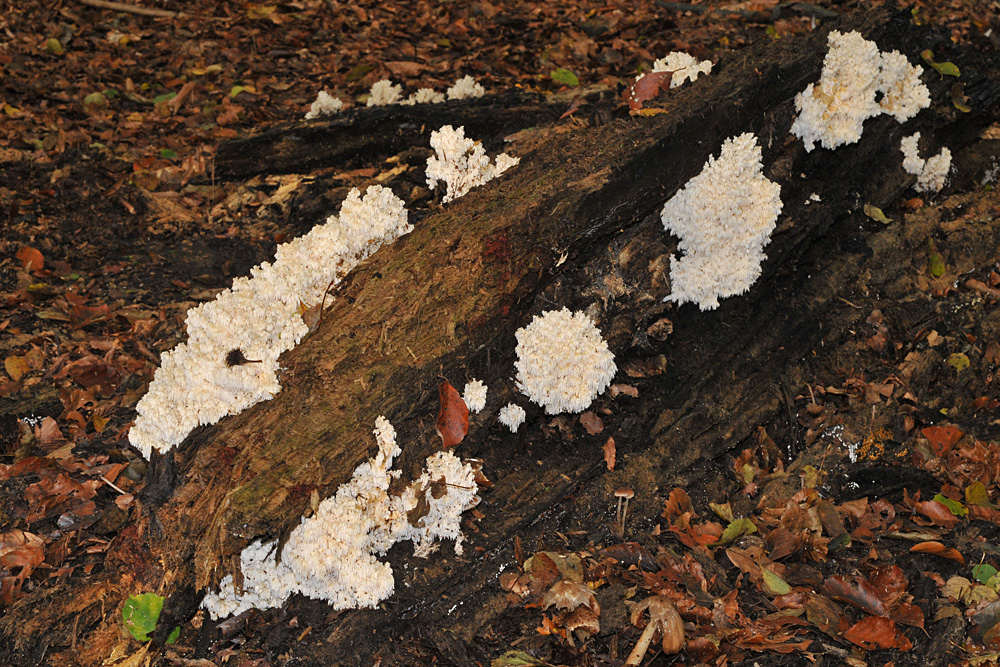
724	217
461	163
512	416
324	105
684	66
332	555
832	111
931	173
383	93
475	396
465	88
260	317
563	363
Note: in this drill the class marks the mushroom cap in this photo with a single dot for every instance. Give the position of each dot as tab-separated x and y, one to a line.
624	492
566	594
663	614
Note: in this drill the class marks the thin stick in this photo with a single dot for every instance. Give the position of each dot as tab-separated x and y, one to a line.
131	9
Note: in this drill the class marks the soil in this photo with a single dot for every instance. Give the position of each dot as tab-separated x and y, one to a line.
130	242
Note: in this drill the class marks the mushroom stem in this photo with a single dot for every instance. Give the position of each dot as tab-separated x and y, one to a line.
639	652
618	516
624	514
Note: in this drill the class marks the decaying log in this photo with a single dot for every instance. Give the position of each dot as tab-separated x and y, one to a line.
575	224
360	137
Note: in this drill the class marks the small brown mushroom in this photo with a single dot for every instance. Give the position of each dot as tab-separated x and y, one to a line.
663	618
583	622
622	493
568	594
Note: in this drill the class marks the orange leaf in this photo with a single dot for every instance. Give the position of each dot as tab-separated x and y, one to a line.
31	259
677	503
938	549
942	438
609	453
453	417
877	632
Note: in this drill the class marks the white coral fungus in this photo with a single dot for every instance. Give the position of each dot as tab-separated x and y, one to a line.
461	163
724	217
384	92
332	555
325	104
465	88
260	317
832	112
425	96
563	363
475	395
931	173
684	66
512	416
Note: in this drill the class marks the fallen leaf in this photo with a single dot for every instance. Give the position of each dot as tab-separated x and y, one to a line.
609	453
937	513
15	366
877	632
406	69
565	77
631	553
938	549
646	88
857	592
677	503
773	584
453	416
735	529
590	421
30	258
942	438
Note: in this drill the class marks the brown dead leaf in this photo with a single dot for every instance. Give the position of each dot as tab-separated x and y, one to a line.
857	592
591	422
937	513
877	632
406	69
676	504
453	416
646	88
609	453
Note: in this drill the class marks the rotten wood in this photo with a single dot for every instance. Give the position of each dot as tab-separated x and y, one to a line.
575	224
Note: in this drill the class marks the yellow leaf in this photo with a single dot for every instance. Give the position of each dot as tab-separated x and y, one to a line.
15	366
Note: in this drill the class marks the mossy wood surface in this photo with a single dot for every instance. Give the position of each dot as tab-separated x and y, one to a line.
575	224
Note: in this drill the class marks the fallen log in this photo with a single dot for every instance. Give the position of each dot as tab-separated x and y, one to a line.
576	225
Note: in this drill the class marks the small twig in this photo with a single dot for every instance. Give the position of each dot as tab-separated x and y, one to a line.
131	9
111	484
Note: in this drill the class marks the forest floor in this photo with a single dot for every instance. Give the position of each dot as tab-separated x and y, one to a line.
114	226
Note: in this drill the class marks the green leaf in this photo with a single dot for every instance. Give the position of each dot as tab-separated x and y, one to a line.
565	77
773	584
724	512
168	153
935	264
958	361
875	213
358	71
975	494
165	97
53	46
95	100
955	507
944	69
140	613
174	635
842	540
983	572
110	93
516	659
236	90
737	528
